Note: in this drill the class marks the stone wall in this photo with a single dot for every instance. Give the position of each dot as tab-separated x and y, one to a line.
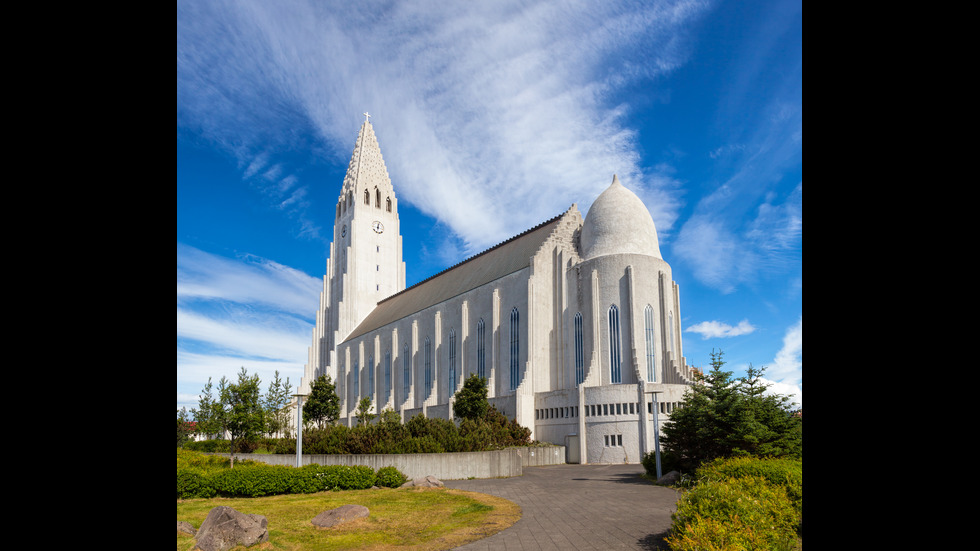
444	466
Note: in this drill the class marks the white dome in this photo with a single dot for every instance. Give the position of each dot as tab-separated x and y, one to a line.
619	223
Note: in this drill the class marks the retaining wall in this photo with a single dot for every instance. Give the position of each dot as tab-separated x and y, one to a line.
444	466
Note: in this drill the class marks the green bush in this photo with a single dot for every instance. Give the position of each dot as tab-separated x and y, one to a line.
192	482
784	472
741	503
736	513
209	446
390	477
201	475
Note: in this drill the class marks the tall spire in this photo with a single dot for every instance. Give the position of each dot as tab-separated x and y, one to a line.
367	169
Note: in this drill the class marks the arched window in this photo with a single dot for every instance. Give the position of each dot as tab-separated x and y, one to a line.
367	197
515	347
615	348
428	367
579	350
370	368
387	375
481	349
452	362
651	339
389	203
407	366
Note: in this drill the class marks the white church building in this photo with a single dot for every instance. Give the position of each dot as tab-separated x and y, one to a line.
574	323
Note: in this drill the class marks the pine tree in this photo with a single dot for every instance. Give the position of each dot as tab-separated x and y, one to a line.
722	417
471	400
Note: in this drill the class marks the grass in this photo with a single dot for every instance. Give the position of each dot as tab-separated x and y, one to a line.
404	519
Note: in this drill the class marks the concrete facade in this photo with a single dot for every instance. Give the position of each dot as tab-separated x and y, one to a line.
575	323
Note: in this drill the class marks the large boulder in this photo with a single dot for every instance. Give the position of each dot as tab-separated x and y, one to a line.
344	513
226	528
427	482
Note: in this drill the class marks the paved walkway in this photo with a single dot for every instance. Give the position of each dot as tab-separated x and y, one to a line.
579	507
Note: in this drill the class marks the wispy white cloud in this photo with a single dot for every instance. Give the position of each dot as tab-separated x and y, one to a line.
240	312
502	111
750	225
785	374
245	280
717	329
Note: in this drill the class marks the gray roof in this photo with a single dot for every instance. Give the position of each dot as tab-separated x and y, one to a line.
501	260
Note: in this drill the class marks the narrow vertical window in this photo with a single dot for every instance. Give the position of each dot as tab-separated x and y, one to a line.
387	375
377	198
357	381
651	339
407	366
370	368
615	349
389	204
452	362
515	347
428	366
579	350
670	321
367	197
481	343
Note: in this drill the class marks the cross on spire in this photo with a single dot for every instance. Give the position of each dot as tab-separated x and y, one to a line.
366	116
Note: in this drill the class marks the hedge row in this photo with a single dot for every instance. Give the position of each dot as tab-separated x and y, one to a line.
742	503
264	480
419	434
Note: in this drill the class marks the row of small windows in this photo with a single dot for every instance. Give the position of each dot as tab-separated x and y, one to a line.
599	410
614	440
343	205
428	380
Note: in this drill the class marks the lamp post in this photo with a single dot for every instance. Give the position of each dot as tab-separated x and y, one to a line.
299	426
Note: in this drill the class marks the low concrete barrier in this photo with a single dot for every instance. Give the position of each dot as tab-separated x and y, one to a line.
444	466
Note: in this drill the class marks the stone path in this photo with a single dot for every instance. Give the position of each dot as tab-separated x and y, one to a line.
579	507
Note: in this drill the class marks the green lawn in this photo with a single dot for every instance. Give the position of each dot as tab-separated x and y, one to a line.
405	518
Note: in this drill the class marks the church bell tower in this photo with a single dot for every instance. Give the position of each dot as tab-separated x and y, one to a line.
365	263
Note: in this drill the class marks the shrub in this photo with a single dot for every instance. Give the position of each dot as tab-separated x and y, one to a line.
209	446
390	477
783	472
735	513
193	482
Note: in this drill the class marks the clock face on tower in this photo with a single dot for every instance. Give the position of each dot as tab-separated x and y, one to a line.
378	228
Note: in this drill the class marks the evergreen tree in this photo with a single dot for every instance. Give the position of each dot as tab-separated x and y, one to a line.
471	400
208	413
722	417
183	427
322	406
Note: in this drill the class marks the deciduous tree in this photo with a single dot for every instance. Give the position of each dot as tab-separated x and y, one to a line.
363	412
244	418
322	406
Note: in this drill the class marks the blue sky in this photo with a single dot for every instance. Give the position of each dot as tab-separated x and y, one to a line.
492	117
